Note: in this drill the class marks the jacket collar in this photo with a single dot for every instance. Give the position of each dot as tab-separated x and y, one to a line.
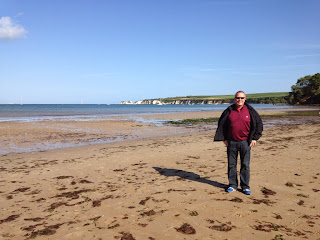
233	106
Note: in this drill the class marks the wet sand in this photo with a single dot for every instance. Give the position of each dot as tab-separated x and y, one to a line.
31	136
159	187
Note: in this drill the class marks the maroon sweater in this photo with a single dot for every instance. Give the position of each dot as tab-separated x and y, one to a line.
239	124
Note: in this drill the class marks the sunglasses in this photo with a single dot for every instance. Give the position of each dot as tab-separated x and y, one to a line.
239	97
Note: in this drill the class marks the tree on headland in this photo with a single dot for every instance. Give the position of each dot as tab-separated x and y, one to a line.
306	90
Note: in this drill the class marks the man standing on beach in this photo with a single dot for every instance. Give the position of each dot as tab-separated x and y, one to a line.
239	127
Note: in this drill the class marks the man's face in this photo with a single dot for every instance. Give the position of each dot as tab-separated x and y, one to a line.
239	99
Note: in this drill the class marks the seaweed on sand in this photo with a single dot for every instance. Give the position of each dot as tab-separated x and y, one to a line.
143	202
148	213
267	192
127	236
268	227
236	199
74	194
186	229
9	219
289	184
265	201
97	203
53	206
64	177
49	230
37	219
223	227
301	202
21	190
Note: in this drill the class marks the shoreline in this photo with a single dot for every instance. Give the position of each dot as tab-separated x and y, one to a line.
19	137
36	115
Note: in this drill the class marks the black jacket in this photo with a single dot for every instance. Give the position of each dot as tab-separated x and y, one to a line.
256	125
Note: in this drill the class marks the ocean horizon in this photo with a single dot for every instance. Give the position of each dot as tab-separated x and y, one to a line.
38	112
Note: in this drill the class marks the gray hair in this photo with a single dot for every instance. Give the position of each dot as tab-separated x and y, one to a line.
240	92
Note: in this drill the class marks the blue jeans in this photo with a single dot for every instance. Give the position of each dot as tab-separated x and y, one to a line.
233	149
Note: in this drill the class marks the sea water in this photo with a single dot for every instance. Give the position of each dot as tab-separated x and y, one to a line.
80	112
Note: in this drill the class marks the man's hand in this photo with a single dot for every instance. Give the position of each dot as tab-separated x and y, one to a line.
253	143
225	143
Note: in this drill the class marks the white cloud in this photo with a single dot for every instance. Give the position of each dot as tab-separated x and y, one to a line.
10	30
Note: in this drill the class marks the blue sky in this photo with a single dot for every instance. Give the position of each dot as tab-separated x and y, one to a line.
105	51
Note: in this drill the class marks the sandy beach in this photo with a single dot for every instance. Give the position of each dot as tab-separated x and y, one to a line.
162	182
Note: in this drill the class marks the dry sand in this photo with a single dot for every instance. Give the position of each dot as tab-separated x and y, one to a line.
165	187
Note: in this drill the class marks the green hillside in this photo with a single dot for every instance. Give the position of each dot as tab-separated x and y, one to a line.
274	97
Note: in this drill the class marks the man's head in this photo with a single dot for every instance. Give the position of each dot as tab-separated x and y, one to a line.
239	99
